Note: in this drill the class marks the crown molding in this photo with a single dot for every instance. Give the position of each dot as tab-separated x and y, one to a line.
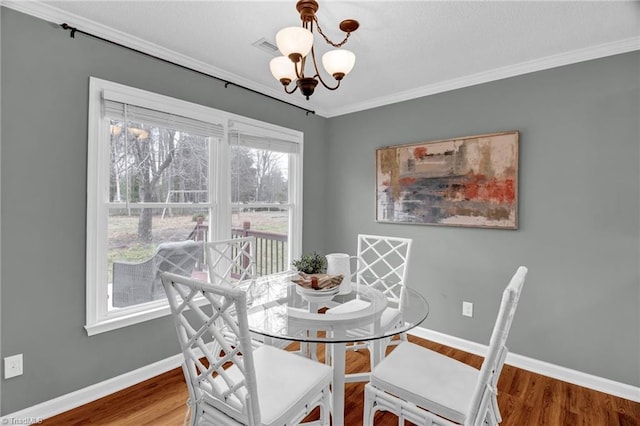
566	58
52	14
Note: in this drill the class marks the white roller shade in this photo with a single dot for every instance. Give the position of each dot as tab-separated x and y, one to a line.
115	109
261	136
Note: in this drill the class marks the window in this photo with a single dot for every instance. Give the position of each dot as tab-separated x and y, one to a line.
163	177
261	189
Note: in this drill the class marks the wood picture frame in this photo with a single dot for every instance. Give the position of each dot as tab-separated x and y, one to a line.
469	181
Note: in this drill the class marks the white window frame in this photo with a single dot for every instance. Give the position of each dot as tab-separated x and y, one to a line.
98	318
295	181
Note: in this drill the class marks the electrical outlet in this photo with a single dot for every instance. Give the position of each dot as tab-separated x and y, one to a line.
467	309
13	366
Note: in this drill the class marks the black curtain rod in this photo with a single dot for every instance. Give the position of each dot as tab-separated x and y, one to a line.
74	30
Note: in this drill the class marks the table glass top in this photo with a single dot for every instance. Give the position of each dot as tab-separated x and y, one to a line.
279	308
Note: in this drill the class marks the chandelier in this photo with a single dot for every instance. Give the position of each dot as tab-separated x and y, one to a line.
295	43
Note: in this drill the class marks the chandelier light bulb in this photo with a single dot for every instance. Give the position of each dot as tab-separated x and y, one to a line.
295	41
338	62
283	69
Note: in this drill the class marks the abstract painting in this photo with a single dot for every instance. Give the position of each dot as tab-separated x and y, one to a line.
469	181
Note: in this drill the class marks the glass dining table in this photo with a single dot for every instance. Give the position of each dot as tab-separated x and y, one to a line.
279	310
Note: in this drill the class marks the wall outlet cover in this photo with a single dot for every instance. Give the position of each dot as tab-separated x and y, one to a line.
467	309
13	366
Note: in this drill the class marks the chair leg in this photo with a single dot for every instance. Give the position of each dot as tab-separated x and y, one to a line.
325	408
328	354
194	419
495	409
379	351
369	400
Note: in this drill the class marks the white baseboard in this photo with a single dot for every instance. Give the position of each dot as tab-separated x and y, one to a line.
44	410
91	393
579	378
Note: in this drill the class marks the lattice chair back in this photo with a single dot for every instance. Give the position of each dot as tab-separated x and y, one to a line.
486	388
382	262
232	260
227	381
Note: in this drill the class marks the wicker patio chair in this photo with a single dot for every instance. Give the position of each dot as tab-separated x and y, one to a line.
135	283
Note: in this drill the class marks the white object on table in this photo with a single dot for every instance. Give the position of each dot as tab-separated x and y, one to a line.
340	264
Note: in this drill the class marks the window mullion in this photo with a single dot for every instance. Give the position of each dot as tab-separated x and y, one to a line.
222	188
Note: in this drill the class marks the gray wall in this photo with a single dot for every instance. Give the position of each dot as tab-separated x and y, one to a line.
45	80
579	219
579	202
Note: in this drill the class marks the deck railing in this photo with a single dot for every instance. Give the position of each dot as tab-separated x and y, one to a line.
271	247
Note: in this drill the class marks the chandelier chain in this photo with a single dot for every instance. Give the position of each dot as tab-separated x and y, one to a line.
315	19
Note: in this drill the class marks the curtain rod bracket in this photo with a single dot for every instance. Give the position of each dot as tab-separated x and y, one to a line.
66	26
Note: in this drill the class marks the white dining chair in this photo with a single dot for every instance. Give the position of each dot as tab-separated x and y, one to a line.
382	262
428	388
231	260
246	385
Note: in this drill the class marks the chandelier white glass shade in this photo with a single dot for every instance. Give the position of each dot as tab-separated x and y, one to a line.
282	70
338	62
295	44
294	41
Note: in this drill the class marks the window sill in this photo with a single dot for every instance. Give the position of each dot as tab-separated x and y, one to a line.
115	323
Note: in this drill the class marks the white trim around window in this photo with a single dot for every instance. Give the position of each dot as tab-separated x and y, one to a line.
99	318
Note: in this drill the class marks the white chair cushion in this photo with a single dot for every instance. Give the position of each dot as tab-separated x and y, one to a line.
284	379
350	306
444	386
390	316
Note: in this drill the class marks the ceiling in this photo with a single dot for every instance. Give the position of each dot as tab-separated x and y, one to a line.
404	49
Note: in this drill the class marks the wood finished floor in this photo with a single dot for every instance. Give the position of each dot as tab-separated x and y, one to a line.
525	399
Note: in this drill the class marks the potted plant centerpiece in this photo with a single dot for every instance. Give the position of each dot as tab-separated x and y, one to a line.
312	268
311	263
